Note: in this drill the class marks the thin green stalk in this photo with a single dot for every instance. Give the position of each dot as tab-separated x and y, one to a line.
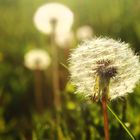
123	125
55	69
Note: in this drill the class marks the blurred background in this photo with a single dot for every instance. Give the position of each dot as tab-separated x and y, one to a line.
27	100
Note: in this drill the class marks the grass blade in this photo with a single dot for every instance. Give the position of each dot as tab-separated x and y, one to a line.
123	125
66	67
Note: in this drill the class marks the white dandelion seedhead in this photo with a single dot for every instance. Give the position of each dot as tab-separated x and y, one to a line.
50	12
64	40
84	32
37	59
107	58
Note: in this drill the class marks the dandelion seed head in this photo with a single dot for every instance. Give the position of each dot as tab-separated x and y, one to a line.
84	32
104	57
51	12
37	59
64	40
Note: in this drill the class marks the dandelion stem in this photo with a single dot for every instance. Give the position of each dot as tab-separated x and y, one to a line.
38	91
104	107
55	68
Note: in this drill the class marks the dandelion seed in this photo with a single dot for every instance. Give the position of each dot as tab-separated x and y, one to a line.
104	62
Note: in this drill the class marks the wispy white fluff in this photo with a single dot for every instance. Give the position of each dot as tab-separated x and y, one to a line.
84	32
37	59
64	40
83	61
53	11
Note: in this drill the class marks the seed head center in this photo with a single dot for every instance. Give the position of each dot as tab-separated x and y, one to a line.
105	69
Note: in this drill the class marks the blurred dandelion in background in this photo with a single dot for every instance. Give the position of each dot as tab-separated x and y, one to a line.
64	40
37	59
54	19
84	32
50	12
